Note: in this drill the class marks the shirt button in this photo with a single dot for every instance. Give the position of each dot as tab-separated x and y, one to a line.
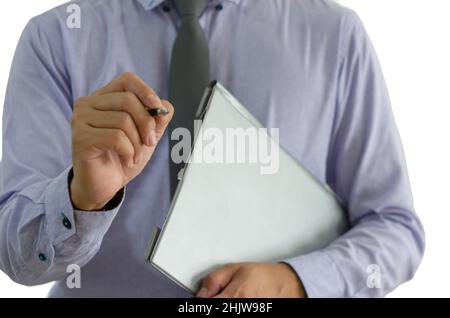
66	222
42	257
166	8
219	7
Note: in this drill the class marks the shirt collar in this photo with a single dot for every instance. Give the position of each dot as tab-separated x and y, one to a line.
151	4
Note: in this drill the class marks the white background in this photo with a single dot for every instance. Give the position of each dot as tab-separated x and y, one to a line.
412	41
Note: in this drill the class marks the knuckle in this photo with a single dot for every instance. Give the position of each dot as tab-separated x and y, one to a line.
123	120
127	76
229	266
80	102
210	279
76	119
128	99
118	136
79	138
120	141
252	270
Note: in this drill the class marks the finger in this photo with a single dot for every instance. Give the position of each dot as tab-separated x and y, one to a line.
223	295
128	102
163	121
130	82
115	140
217	280
230	291
118	120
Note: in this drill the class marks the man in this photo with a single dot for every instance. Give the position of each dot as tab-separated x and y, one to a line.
82	181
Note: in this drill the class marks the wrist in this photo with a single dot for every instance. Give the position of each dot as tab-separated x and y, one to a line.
78	198
79	202
296	286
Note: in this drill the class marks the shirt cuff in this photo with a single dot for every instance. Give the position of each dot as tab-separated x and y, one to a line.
63	221
319	274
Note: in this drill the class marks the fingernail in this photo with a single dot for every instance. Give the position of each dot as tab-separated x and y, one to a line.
153	138
154	101
203	292
149	100
130	163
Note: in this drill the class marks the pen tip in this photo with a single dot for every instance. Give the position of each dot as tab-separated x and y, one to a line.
157	111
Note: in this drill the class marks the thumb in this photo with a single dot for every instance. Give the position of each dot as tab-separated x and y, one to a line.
217	280
163	121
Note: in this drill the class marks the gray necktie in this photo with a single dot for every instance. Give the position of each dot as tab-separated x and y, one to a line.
189	73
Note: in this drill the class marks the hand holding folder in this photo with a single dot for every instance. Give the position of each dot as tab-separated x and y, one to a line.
225	213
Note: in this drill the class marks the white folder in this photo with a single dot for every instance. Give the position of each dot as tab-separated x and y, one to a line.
232	212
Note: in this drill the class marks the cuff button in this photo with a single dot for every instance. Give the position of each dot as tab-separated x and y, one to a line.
42	257
66	222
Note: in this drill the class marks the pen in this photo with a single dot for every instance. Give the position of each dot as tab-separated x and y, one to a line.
157	111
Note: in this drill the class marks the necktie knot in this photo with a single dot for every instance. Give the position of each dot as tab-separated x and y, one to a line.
191	7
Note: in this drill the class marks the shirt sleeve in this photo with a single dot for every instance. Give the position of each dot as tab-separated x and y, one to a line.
366	168
40	232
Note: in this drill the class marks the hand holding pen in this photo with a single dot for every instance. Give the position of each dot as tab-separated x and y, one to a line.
113	138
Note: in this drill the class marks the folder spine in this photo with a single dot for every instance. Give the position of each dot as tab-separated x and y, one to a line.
152	243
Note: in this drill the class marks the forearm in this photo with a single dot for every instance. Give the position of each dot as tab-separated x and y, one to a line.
380	252
41	233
